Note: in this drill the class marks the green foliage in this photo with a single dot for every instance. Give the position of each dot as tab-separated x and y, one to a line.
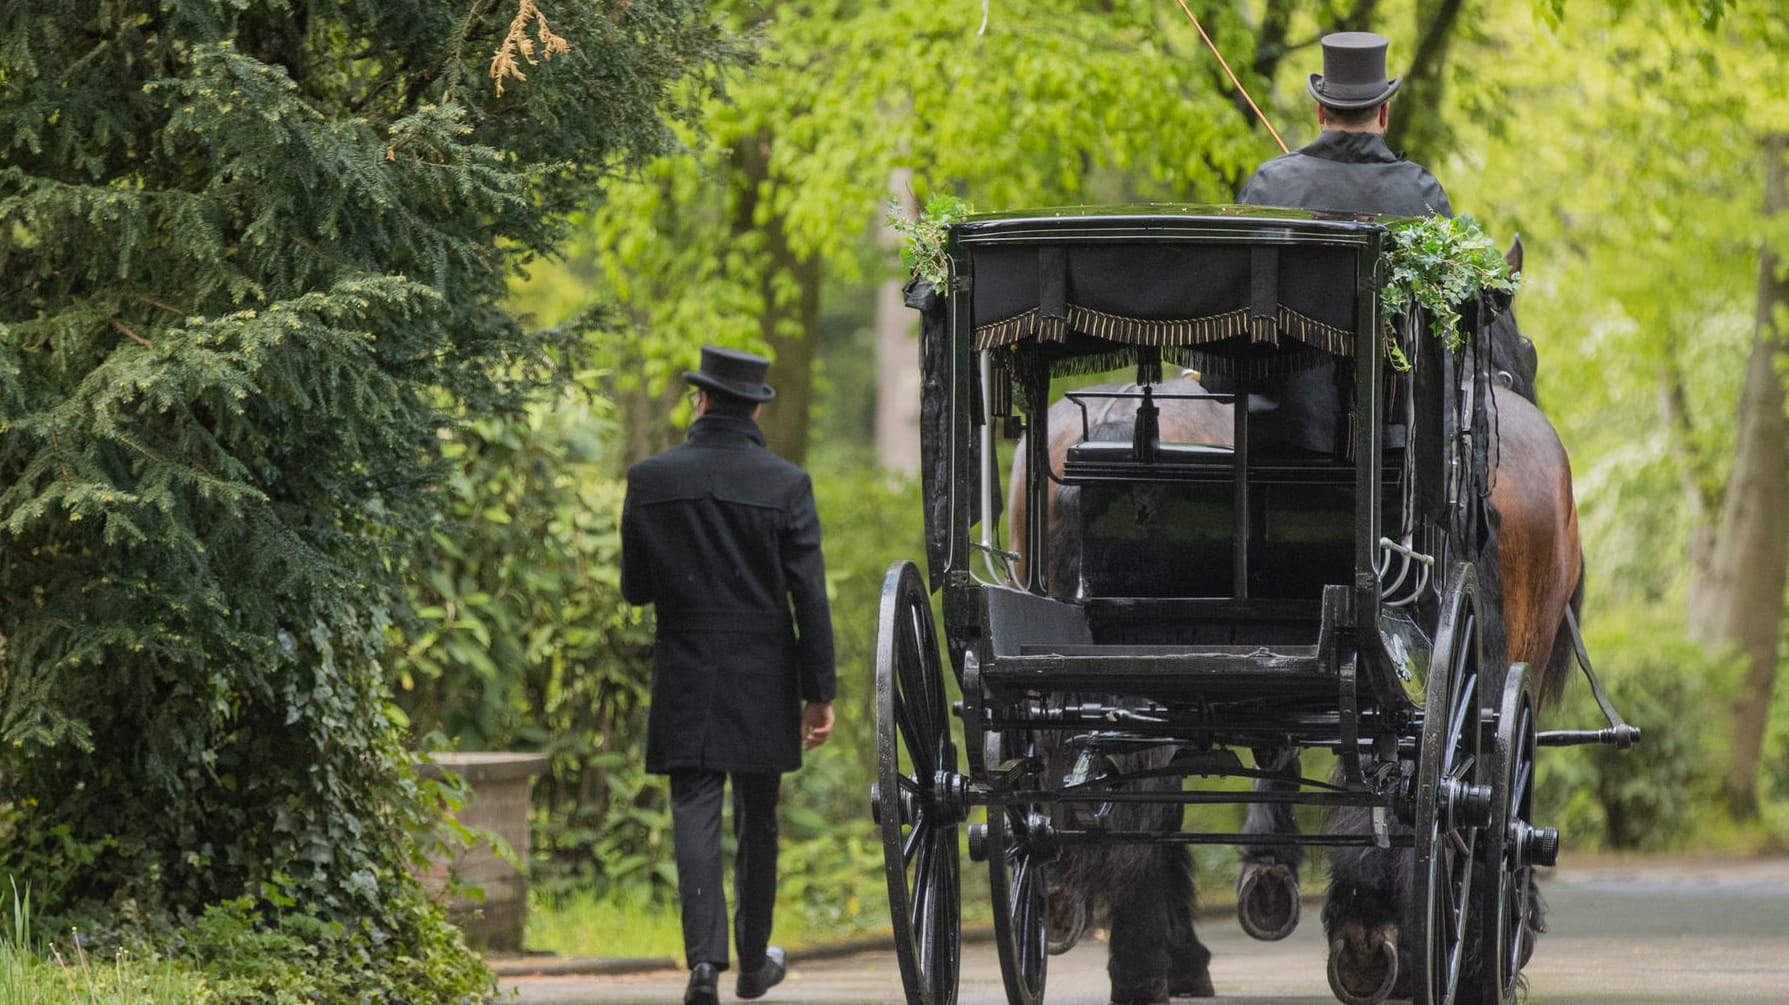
1439	263
240	952
260	952
922	250
523	641
639	922
1658	794
251	258
848	102
1639	212
26	978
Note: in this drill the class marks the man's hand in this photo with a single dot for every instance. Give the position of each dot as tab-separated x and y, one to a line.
816	723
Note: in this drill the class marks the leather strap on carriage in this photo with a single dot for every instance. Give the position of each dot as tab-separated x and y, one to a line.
1052	293
1264	295
1619	733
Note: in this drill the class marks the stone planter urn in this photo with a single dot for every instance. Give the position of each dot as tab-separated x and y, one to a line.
497	802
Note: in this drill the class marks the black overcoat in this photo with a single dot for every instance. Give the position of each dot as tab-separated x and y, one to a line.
722	537
1348	172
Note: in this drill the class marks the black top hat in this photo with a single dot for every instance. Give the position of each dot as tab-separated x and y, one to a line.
1353	71
731	371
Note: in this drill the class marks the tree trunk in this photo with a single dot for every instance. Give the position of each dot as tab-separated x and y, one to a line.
1739	600
1418	128
790	322
647	426
897	358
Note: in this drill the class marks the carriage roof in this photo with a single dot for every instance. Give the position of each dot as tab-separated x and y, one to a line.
1243	287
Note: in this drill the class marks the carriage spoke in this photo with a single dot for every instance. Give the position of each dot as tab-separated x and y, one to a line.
914	741
916	840
1021	874
922	894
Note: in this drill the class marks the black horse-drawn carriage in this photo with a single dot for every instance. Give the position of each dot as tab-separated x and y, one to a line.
1184	604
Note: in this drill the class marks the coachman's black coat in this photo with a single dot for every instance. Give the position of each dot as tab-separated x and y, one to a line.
722	537
1347	172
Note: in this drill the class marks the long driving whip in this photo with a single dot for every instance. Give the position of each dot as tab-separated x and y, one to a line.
1232	75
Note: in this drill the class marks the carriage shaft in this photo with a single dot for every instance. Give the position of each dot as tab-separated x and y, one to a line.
1196	798
1331	840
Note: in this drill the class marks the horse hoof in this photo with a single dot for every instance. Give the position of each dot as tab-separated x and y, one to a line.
1066	922
1192	986
1149	992
1267	900
1363	978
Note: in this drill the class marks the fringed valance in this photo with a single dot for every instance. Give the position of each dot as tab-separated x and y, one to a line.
1164	333
1241	307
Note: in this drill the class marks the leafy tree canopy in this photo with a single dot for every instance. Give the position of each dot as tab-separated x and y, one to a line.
1633	175
1053	102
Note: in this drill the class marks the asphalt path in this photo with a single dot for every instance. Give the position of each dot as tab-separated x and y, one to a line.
1655	932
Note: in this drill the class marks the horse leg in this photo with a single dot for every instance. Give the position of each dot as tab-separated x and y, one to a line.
1143	909
1189	965
1267	884
1154	951
1368	887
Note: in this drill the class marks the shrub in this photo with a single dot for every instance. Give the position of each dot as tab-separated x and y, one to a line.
1655	795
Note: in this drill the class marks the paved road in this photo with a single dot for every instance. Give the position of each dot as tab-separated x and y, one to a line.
1653	933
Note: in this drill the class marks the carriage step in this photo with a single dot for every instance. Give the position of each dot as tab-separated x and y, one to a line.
1226	668
1251	651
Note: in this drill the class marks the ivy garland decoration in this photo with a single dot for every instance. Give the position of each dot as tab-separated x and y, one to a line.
922	250
1439	263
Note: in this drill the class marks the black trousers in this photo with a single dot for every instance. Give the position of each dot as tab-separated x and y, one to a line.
696	837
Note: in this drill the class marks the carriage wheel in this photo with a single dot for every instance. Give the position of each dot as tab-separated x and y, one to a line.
919	797
1509	852
1017	835
1452	807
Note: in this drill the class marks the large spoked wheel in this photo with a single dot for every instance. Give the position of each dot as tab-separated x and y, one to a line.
1511	848
918	798
1452	806
1016	839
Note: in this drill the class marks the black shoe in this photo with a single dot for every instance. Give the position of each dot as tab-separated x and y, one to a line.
753	983
702	989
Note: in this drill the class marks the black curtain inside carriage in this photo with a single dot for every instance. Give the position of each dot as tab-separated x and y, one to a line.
934	423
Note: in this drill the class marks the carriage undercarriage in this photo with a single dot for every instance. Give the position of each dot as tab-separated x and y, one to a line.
1080	706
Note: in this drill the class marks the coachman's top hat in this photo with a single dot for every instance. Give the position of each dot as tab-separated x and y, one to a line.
734	372
1353	71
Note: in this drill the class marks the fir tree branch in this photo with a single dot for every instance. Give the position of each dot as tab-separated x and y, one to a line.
151	301
152	455
121	326
453	66
61	461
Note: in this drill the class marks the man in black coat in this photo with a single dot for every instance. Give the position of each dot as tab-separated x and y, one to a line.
722	537
1346	169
